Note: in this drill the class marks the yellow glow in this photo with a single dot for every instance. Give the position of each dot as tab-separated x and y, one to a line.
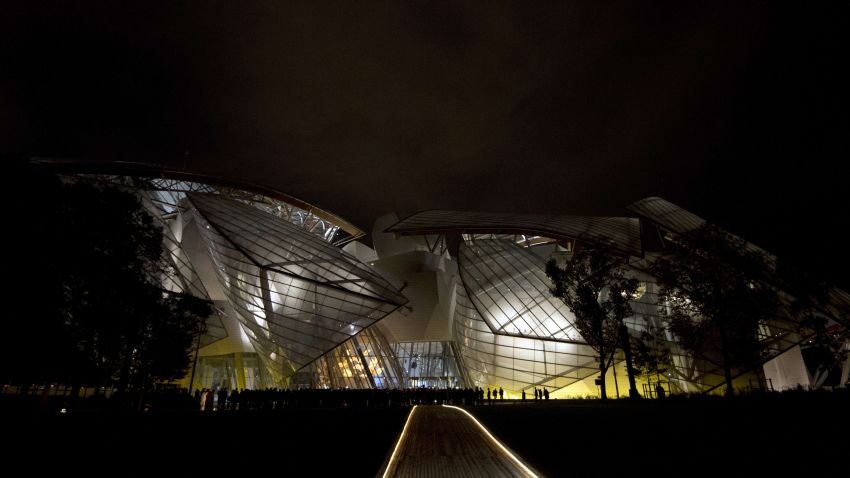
502	447
344	370
400	440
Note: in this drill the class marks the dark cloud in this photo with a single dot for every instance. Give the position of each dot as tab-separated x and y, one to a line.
737	112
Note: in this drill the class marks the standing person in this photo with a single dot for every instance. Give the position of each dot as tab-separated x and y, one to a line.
489	400
222	399
545	393
501	394
523	395
208	404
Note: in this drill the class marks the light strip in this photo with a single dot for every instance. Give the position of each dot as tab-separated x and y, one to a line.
400	439
504	449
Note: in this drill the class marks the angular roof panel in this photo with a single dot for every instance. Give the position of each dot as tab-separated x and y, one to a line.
620	233
666	214
165	179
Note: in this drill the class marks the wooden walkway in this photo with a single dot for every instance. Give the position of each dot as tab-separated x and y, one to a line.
446	442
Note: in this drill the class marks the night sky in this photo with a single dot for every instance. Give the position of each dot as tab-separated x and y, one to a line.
738	113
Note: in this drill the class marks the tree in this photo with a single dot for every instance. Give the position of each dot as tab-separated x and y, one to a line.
97	267
826	338
594	286
714	294
123	321
651	352
36	348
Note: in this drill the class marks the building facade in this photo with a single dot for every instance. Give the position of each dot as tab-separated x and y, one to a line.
438	299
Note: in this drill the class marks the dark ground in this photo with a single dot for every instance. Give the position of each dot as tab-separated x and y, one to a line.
799	435
806	435
300	442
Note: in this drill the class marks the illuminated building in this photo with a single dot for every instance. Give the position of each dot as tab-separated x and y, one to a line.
441	298
513	334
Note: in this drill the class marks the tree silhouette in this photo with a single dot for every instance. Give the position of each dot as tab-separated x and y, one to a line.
826	334
651	351
35	285
594	286
714	293
95	272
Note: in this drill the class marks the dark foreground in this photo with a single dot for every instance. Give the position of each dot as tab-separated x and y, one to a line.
803	435
340	442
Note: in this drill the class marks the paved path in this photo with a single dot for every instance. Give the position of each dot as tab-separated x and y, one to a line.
446	442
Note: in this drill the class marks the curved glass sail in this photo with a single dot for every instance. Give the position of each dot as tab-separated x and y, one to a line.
509	287
297	296
516	363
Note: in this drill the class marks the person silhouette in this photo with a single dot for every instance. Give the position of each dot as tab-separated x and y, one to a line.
489	400
545	394
501	394
523	395
659	390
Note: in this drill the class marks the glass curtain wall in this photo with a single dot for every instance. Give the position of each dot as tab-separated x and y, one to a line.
430	364
515	363
216	373
364	361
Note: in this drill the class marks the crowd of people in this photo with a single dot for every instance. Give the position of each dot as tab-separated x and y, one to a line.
222	399
274	399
